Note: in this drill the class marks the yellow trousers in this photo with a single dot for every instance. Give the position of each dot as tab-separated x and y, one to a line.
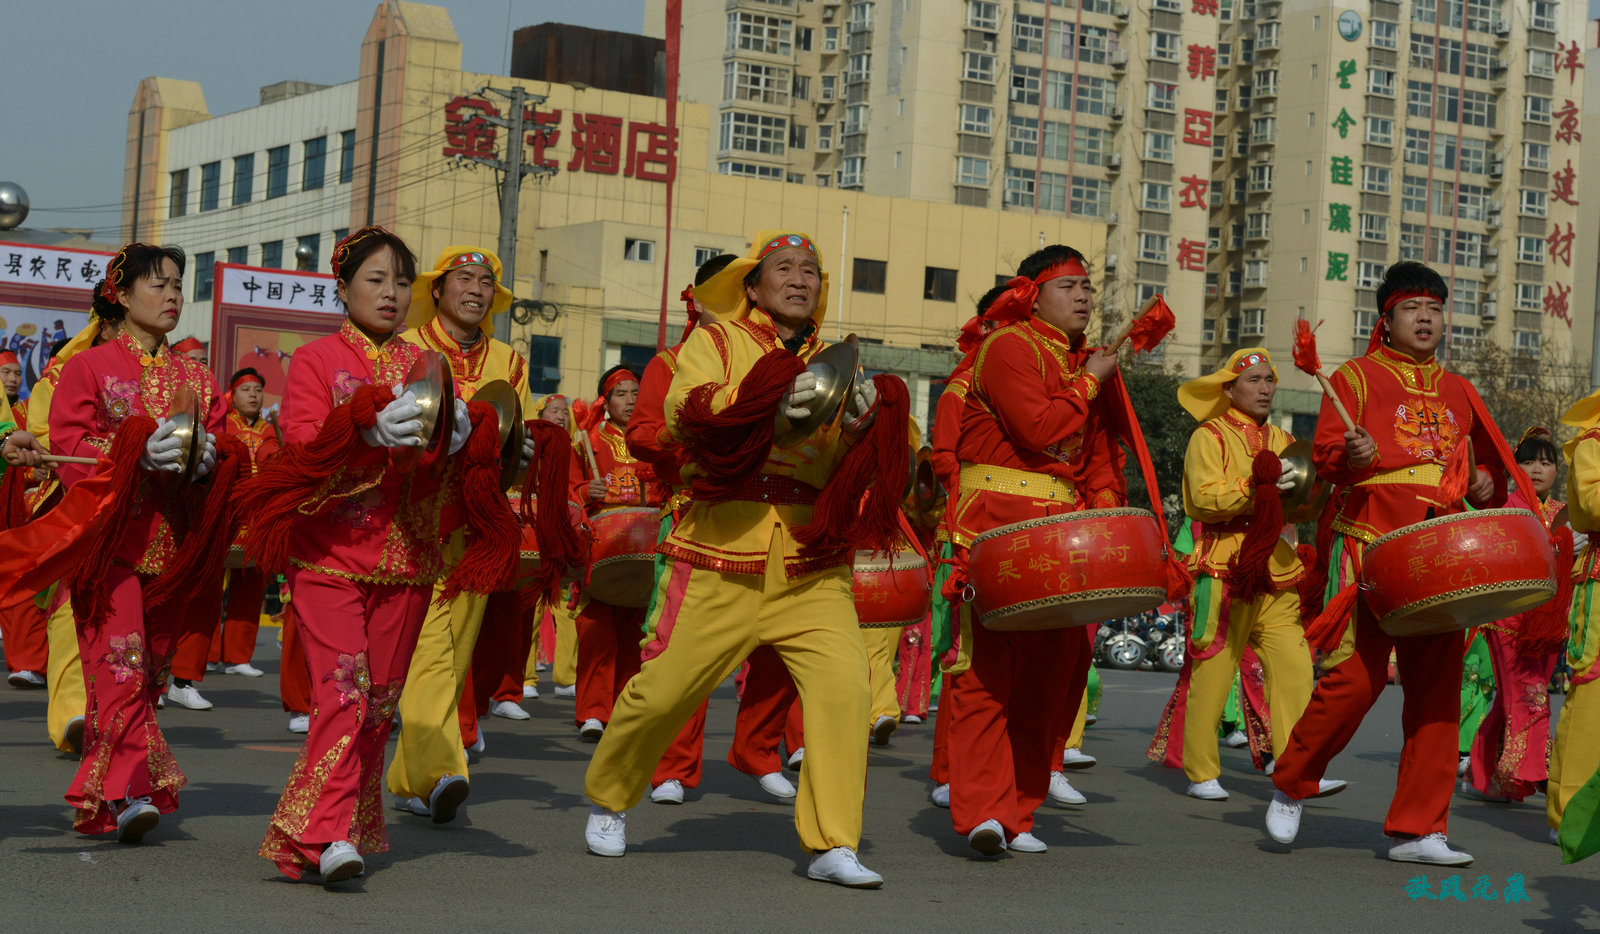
1075	738
429	747
530	668
63	675
1577	748
881	646
1271	625
713	621
564	661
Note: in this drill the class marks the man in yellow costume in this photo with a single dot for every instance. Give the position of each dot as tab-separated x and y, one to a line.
1245	572
1575	753
739	578
449	303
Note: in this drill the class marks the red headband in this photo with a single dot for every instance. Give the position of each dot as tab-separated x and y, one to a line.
469	258
1017	303
7	356
786	240
1401	295
1249	360
614	380
187	344
243	378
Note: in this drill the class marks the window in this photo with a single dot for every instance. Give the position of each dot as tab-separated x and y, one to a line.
1258	225
210	185
1264	129
763	84
1155	196
802	38
750	170
1161	96
1052	191
1375	179
1418	145
238	255
277	172
1369	275
802	87
272	254
1411	241
1380	131
1419	99
313	242
1019	188
1543	15
244	168
1261	177
939	285
1058	90
1095	95
1164	46
1025	85
759	133
1380	81
204	270
754	32
1170	6
1530	250
1475	156
867	275
977	119
1530	296
1088	143
1469	250
1472	202
797	137
1255	274
1153	247
983	14
1414	194
971	170
1091	197
1536	109
824	137
859	68
347	156
1541	63
1158	146
851	171
1385	35
315	168
178	203
1265	83
704	254
1027	34
638	251
1464	296
1375	227
977	66
1221	104
544	364
1535	156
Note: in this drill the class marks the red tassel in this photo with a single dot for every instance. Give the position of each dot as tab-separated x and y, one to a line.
198	562
586	415
1457	475
1544	628
544	508
1180	583
1328	628
1152	326
490	562
1250	572
859	509
272	499
730	446
1305	347
90	601
13	508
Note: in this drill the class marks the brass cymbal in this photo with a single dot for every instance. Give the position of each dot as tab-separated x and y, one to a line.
430	382
508	407
835	367
190	431
1305	498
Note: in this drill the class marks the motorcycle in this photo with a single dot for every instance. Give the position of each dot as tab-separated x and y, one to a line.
1166	636
1121	645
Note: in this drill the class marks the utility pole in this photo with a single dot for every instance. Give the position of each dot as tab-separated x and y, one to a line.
511	171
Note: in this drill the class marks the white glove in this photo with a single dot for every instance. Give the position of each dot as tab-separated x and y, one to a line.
528	450
462	429
801	392
208	457
397	424
863	398
162	452
1286	480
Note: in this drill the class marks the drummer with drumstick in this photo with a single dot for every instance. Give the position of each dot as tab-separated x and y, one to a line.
1401	455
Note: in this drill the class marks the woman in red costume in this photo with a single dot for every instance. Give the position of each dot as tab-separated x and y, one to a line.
108	403
362	555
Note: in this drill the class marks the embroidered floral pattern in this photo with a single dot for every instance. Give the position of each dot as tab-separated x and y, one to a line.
126	658
382	701
357	511
1425	428
116	401
345	384
351	678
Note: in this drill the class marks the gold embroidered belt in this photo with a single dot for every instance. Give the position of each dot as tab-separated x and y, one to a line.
989	478
1419	474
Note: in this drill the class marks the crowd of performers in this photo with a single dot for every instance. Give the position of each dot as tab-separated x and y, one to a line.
729	509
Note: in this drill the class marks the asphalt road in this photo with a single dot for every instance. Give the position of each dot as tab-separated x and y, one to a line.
1138	856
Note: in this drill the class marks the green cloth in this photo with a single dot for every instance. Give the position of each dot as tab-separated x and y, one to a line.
649	625
1094	690
1477	688
943	612
1579	835
1232	714
1184	543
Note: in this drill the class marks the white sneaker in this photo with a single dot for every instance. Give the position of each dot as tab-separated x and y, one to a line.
1329	787
213	666
1554	834
1283	818
1090	720
529	691
138	818
446	798
841	866
592	730
940	795
299	723
340	862
567	691
246	669
510	710
1208	790
1463	766
1271	767
187	697
161	702
607	831
541	666
774	784
1431	849
1061	793
1026	843
74	735
1077	759
796	758
478	745
988	838
25	679
882	729
1236	740
911	719
668	792
415	806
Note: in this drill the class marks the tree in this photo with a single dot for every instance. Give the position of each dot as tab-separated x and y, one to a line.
1154	393
1521	388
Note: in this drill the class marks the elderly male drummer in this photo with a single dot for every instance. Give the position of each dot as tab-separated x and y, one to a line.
449	304
1033	443
738	578
1240	561
1412	417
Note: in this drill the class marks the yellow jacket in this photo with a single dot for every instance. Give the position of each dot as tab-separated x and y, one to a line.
488	360
1218	495
736	536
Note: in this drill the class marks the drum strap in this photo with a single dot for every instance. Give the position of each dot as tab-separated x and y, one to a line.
774	489
1429	474
989	478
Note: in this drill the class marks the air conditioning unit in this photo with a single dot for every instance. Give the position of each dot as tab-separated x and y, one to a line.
1492	222
1119	58
1269	107
1111	262
1497	168
1111	218
1114	162
1489	311
1502	28
1491	251
1211	290
1117	114
1491	268
1258	254
1122	11
1494	207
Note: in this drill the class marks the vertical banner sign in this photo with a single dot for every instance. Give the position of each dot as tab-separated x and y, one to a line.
262	316
45	296
674	27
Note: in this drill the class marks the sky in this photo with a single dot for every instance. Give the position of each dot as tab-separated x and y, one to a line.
71	67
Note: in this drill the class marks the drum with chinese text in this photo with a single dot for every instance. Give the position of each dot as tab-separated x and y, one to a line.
622	561
891	590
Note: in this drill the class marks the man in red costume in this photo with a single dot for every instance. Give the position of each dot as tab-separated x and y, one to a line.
1412	419
1035	441
22	627
234	640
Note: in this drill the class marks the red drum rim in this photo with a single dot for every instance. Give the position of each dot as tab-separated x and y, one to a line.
1531	585
1446	520
1158	594
912	562
1066	517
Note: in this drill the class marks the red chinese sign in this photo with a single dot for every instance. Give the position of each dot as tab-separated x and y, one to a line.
601	144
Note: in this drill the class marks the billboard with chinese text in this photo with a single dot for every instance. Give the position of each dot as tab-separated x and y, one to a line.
262	316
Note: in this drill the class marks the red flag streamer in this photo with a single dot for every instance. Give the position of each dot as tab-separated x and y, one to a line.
1153	322
1306	359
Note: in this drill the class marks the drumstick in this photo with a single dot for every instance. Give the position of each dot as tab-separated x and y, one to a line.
65	459
1127	329
1327	388
588	452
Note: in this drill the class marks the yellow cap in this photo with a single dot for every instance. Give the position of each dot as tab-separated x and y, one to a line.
422	307
723	294
1203	397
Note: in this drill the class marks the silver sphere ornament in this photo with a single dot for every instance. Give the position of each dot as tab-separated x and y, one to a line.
13	205
304	255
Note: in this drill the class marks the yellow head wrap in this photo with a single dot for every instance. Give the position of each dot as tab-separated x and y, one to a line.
723	294
1202	397
422	307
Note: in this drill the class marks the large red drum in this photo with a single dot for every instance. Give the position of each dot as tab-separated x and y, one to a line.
1458	571
622	562
891	590
1068	570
